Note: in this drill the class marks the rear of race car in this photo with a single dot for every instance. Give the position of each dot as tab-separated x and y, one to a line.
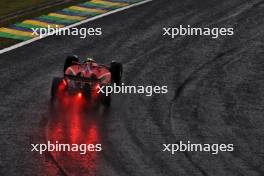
86	87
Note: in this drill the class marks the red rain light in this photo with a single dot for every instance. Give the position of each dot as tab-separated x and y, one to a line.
79	95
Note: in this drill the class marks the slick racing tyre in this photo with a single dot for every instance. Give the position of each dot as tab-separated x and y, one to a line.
70	60
116	70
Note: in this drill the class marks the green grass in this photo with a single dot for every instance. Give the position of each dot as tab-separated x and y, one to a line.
11	6
8	6
5	42
39	13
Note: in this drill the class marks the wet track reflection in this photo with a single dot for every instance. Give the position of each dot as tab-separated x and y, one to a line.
73	121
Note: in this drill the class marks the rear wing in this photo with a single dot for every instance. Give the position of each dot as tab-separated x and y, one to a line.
99	65
81	79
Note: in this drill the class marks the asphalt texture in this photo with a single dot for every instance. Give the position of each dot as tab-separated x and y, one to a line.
216	93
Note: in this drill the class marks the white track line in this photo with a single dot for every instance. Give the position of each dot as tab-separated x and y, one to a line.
74	25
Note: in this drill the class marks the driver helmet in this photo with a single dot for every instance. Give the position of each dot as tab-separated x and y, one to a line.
89	59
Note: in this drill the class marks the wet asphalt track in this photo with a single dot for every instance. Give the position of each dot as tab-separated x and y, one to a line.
215	92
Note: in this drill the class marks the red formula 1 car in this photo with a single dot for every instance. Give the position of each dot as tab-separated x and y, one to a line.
82	79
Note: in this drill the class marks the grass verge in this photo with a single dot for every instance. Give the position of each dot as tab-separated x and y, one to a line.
28	15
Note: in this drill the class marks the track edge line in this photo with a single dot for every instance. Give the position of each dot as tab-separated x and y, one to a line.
73	25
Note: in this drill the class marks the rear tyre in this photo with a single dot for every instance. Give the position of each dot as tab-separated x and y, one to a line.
116	70
70	60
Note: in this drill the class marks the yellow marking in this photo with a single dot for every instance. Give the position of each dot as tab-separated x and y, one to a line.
109	3
17	32
87	9
42	24
67	16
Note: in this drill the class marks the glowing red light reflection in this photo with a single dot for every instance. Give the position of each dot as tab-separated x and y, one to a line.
79	95
71	125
